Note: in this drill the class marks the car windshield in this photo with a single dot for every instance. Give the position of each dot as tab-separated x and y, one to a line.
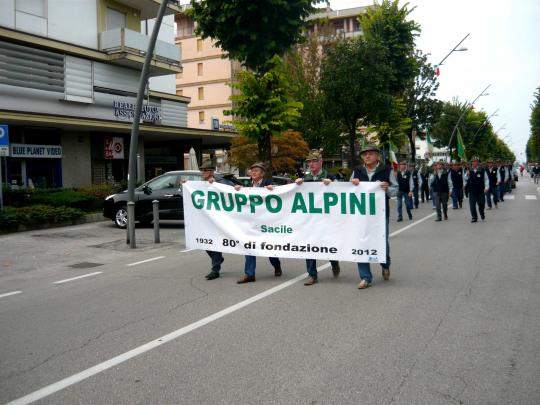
163	182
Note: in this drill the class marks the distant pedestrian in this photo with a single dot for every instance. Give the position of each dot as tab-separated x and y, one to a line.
456	173
405	191
494	180
417	182
478	181
424	193
441	185
340	175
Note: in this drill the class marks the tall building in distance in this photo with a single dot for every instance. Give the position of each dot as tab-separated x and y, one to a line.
205	78
207	73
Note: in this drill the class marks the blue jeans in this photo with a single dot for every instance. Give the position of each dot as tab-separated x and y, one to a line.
363	268
251	264
457	196
408	204
502	188
217	258
311	265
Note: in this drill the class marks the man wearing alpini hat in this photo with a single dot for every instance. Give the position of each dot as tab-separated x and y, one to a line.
375	171
316	172
256	173
477	181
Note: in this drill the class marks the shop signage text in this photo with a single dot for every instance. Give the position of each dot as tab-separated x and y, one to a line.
20	150
126	111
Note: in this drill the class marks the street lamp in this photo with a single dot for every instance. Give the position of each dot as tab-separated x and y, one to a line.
465	109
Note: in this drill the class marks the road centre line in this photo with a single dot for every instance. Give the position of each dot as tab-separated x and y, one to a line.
98	368
145	261
186	250
67	280
10	294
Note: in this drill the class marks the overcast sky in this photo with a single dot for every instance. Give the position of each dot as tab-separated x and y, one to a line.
503	50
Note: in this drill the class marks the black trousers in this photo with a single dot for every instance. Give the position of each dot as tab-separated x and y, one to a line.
424	193
474	200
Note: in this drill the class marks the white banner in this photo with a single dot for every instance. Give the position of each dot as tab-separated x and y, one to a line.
335	222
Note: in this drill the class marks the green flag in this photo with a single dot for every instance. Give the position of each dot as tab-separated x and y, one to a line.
429	145
461	147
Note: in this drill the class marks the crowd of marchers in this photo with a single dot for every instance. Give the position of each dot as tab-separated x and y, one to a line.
481	183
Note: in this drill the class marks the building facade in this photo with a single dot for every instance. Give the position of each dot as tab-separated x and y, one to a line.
68	87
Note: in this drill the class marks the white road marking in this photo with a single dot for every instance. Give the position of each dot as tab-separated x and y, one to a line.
67	280
509	197
10	293
145	261
186	250
413	224
530	197
98	368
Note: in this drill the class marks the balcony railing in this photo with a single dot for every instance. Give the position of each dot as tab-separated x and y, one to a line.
123	40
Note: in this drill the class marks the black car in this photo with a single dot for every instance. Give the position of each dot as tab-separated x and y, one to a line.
167	189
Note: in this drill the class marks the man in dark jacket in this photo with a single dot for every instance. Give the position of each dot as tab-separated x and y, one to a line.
456	173
417	182
316	172
374	170
441	185
478	183
405	191
256	173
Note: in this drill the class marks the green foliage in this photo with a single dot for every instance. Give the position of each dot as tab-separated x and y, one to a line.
65	197
99	191
354	84
263	106
303	65
533	144
251	31
12	217
387	24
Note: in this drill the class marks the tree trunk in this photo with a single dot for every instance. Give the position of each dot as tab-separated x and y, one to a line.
352	147
410	135
265	153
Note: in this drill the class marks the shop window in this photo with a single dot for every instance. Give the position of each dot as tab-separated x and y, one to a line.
199	69
201	117
201	93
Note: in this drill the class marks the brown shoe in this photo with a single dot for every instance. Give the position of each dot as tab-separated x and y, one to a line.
246	279
310	281
386	273
363	284
277	271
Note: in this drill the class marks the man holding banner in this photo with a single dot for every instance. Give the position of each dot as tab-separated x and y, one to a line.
374	171
316	172
256	173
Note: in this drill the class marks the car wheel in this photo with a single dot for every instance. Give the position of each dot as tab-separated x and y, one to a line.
120	217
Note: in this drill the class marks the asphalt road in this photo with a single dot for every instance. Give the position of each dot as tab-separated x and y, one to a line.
458	323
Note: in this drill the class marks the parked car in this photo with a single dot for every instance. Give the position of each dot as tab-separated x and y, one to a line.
167	189
277	180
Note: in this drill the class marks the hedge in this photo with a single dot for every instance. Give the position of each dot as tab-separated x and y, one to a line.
12	217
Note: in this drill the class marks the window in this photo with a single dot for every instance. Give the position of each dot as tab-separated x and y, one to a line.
201	93
201	117
199	45
115	19
199	69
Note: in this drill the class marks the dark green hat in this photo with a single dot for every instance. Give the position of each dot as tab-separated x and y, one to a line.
314	154
475	158
369	147
260	165
207	164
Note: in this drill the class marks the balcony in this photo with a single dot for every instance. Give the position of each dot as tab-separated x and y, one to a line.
128	48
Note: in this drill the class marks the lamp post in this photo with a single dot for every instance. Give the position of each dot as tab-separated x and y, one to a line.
465	109
134	143
484	123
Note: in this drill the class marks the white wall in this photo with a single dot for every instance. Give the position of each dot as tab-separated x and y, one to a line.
7	13
73	21
165	84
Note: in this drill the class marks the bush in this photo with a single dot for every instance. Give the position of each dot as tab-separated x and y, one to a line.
17	197
64	197
11	217
99	191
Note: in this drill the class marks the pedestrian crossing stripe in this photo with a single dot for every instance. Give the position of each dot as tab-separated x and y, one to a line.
530	197
509	197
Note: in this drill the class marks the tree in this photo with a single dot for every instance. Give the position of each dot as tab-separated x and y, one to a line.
422	108
388	25
533	144
304	66
288	149
263	107
354	86
251	32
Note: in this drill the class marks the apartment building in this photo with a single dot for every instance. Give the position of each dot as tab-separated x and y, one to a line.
207	73
205	78
69	73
